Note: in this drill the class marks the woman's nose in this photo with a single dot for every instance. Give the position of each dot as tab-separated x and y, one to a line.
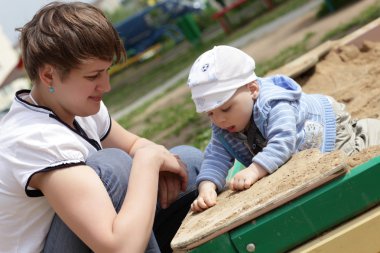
104	83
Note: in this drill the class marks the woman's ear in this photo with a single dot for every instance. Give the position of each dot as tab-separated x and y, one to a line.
46	75
254	89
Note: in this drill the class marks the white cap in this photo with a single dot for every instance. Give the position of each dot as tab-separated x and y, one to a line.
217	74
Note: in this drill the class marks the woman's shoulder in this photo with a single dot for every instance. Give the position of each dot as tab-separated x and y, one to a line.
30	130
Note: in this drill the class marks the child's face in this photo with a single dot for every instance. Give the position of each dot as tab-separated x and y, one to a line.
235	114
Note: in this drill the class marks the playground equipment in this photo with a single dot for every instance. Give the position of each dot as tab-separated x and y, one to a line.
143	30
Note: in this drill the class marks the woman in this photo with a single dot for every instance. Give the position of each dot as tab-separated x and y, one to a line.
66	165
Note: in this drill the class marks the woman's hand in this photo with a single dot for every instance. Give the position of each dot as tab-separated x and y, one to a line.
173	164
173	173
170	184
167	161
169	187
206	198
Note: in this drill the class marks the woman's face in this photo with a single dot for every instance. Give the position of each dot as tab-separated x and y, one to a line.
81	91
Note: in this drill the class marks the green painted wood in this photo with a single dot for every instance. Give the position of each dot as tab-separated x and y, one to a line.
313	213
221	244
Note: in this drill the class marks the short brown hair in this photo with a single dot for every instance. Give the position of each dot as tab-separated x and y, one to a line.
65	34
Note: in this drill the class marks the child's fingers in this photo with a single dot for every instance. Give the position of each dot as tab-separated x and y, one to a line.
243	180
195	206
248	182
238	184
231	184
210	199
203	203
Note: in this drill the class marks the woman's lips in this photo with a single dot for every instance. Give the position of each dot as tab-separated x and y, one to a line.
96	98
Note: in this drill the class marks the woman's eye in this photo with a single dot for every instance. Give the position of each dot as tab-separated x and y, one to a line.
92	77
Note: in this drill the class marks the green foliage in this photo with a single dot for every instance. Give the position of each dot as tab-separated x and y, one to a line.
126	8
204	18
202	138
284	56
118	15
333	5
282	7
167	119
125	92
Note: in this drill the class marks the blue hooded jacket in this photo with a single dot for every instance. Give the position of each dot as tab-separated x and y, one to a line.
288	119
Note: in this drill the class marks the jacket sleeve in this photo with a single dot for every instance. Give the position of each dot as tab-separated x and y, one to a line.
216	163
280	135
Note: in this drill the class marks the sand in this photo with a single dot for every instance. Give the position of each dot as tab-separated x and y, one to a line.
350	75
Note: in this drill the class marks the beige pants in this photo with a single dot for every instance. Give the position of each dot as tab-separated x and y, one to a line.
353	136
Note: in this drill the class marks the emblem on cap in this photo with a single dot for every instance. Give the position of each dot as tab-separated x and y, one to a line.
205	67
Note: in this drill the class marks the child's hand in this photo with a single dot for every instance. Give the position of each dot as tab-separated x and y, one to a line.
247	177
206	198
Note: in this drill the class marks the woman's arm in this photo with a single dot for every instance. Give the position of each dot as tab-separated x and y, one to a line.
120	138
84	205
169	184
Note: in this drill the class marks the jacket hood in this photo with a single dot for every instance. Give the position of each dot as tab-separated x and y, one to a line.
277	87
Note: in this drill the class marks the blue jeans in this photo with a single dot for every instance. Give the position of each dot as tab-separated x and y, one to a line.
113	167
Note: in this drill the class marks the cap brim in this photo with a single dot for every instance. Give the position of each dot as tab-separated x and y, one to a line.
208	100
212	101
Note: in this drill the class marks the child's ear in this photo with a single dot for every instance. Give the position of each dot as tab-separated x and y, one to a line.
254	89
46	74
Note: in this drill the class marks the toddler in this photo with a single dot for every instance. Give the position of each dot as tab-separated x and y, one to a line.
262	122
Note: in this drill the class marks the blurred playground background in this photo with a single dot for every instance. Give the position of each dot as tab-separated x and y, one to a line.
163	38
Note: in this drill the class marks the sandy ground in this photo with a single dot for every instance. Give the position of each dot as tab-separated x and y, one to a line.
350	75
